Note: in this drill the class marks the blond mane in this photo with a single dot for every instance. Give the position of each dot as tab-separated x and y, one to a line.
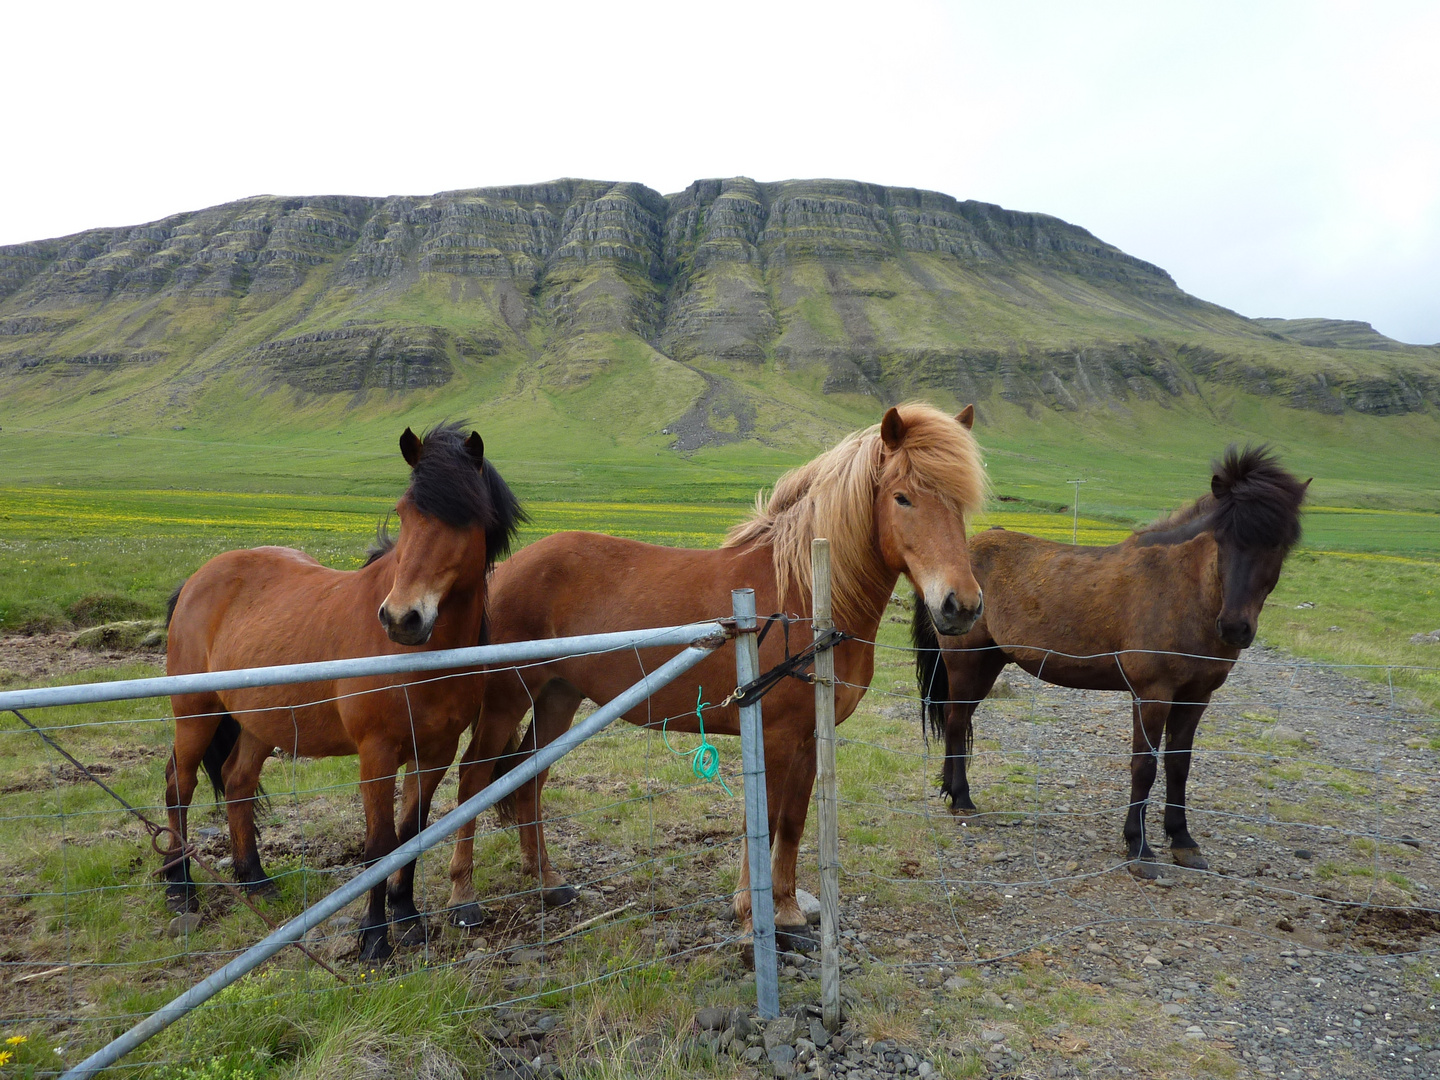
834	496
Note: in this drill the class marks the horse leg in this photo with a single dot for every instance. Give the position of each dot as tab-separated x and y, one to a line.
554	713
1149	727
778	772
972	675
420	783
505	703
196	719
378	762
1179	739
242	780
792	929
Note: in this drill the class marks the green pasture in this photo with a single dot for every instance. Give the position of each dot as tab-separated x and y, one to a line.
68	550
625	815
1373	573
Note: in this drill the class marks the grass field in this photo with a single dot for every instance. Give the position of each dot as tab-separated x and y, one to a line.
1373	573
627	820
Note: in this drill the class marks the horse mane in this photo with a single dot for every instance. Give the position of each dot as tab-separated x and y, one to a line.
834	496
445	484
1254	502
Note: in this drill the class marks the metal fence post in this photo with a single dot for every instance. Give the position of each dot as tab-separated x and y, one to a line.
826	789
757	812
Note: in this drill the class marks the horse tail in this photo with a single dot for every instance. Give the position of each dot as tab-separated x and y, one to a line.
170	604
227	734
508	809
929	669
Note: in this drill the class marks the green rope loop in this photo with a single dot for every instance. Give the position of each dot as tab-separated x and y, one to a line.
705	758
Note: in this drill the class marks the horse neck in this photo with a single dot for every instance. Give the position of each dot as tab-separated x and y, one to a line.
860	617
379	573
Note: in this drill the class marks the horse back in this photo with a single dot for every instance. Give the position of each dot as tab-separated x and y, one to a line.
570	584
1066	612
585	583
269	605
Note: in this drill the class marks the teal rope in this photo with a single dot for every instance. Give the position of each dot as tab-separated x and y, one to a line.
705	758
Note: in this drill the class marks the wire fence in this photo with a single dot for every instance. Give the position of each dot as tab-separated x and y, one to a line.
1312	793
81	897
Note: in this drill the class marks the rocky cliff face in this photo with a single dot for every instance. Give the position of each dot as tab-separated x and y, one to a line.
874	290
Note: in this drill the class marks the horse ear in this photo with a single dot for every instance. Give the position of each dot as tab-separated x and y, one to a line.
1218	487
475	447
410	447
1306	486
892	428
966	417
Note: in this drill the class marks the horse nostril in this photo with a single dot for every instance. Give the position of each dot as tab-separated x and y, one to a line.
383	616
1240	633
950	609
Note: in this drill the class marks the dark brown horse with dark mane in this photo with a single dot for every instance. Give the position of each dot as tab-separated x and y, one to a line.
891	499
275	605
1162	615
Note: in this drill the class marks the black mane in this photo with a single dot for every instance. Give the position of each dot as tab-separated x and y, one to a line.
445	484
1253	503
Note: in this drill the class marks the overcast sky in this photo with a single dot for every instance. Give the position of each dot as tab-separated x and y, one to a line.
1278	158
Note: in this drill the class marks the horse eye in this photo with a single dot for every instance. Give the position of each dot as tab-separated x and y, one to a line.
902	500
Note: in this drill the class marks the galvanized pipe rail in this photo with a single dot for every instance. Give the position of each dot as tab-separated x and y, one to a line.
703	639
519	652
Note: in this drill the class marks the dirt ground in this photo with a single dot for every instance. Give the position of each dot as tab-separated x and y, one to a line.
29	658
1307	950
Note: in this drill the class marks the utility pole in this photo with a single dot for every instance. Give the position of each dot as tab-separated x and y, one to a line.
1075	511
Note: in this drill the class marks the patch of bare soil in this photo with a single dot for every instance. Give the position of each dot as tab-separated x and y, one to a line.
27	658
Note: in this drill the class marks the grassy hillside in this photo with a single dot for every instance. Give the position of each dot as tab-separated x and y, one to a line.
701	338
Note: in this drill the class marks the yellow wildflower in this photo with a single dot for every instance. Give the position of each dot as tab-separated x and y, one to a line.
5	1056
16	1040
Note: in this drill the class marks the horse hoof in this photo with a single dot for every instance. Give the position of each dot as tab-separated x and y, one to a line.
562	896
414	931
375	947
182	900
264	888
1190	858
1146	868
469	916
795	939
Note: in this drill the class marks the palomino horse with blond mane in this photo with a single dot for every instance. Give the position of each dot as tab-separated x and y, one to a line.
274	605
892	500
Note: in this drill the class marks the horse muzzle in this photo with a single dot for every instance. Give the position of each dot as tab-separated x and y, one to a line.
1238	634
952	619
410	628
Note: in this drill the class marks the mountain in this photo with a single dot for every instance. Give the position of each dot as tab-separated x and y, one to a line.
766	314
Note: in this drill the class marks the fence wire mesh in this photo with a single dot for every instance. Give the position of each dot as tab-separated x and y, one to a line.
1011	939
92	948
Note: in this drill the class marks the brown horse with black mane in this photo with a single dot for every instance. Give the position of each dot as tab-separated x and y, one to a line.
274	605
1162	615
891	499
